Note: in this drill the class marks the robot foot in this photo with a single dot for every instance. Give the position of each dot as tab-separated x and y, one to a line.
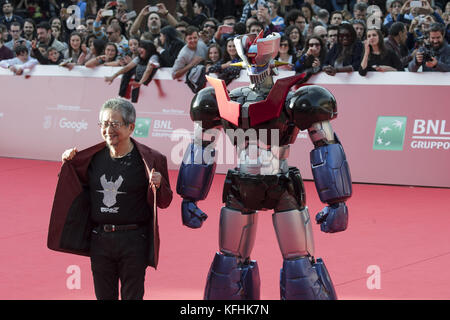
302	280
230	280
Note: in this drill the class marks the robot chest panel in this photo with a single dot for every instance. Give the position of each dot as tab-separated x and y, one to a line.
269	133
255	111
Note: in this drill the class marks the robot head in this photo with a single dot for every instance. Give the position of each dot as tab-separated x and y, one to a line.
257	54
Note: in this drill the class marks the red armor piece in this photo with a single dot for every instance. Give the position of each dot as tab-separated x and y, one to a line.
259	112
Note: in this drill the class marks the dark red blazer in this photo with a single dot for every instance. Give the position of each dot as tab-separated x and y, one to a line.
70	224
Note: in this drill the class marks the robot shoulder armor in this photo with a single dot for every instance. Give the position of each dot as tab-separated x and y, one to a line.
310	104
204	108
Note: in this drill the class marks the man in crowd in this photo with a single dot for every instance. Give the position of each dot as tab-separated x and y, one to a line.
250	9
16	39
396	41
45	37
332	36
336	18
437	56
8	16
193	53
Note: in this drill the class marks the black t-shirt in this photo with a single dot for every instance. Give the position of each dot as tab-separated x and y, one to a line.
118	189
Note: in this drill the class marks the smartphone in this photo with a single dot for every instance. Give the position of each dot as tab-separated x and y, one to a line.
107	13
131	15
415	4
153	9
65	62
226	29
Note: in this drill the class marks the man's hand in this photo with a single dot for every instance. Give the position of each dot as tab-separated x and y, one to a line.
69	154
144	11
156	179
432	63
419	57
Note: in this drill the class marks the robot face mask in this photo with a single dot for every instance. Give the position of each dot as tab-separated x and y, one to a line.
257	54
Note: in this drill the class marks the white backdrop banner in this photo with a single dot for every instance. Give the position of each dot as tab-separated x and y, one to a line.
395	126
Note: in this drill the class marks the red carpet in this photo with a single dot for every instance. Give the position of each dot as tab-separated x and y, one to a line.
401	230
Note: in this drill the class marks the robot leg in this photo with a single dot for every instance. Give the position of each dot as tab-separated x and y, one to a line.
300	277
232	275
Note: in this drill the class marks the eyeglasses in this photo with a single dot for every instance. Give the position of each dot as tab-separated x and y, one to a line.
314	44
115	125
284	44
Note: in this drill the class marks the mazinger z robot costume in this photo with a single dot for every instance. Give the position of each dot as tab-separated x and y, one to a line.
261	121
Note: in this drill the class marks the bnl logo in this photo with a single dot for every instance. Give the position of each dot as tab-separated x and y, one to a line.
142	127
389	133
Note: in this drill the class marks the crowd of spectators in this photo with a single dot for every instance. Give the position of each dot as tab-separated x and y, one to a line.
317	35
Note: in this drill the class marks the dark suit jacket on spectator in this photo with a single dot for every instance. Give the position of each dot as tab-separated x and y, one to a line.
400	50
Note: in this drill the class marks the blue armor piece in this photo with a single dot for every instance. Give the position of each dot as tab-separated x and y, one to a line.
300	280
331	173
195	175
333	218
230	280
324	277
191	215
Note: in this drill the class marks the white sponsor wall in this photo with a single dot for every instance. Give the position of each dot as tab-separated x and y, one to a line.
395	127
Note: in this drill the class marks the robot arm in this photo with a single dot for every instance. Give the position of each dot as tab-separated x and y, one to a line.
312	107
198	166
331	176
194	181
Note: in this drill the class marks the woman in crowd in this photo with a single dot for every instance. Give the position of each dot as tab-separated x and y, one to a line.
346	54
200	13
313	55
214	55
224	69
376	57
142	68
185	11
307	11
295	35
74	51
57	24
286	54
107	59
133	45
95	48
168	46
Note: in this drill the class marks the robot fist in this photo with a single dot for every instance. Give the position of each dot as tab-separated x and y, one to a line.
191	215
333	218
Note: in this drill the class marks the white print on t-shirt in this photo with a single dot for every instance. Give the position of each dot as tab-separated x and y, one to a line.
110	192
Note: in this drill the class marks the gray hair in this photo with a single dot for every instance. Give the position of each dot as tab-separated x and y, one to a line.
124	106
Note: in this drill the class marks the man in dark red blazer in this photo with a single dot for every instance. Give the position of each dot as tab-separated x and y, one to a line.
105	204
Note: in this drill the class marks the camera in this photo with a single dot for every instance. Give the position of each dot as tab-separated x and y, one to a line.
428	53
